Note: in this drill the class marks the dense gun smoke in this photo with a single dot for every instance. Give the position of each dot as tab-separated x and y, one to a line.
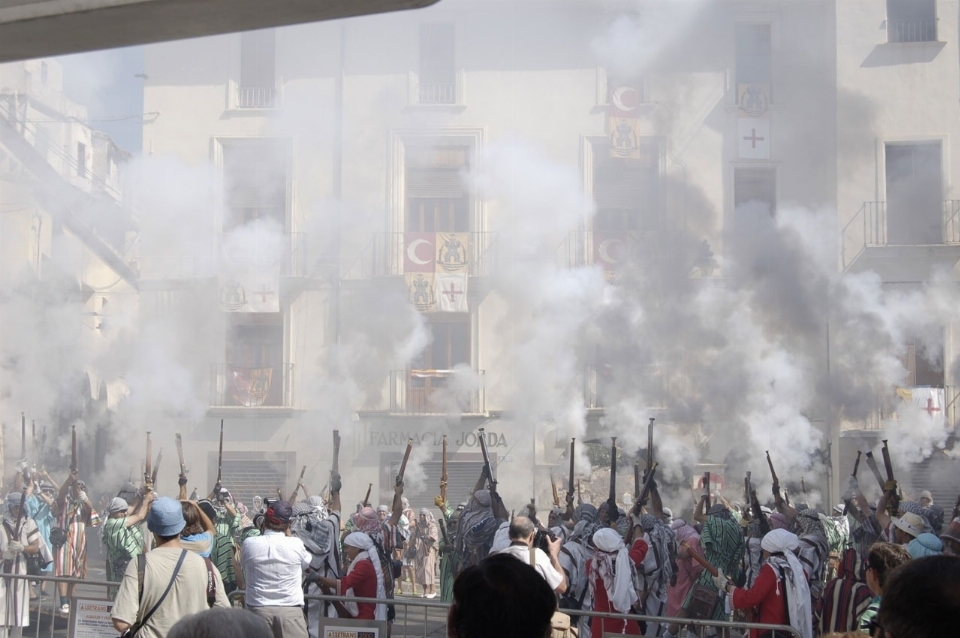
763	350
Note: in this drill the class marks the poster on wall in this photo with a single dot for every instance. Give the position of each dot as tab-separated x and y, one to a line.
90	618
348	628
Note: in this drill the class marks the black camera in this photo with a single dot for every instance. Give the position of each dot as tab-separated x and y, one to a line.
542	537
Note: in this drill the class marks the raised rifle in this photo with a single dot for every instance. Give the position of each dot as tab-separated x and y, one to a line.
183	466
893	501
856	466
443	472
803	486
219	484
23	437
637	485
706	487
872	464
647	485
746	487
156	469
649	445
491	482
73	449
335	469
777	496
403	464
700	559
148	467
613	513
296	490
366	499
553	490
573	447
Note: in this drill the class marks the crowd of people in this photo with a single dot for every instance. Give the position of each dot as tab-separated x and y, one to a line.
650	572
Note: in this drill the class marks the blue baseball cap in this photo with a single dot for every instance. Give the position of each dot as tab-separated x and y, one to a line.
166	517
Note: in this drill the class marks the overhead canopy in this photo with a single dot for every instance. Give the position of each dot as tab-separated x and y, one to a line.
42	28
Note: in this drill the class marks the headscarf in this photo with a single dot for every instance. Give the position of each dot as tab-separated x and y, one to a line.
809	523
720	510
366	520
585	512
782	546
363	542
925	545
477	523
683	532
667	515
778	521
317	503
664	544
11	500
614	567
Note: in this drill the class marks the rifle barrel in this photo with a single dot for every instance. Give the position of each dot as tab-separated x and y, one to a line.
220	456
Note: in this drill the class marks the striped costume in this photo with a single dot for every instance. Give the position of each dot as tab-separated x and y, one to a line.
122	543
722	543
71	559
225	547
846	597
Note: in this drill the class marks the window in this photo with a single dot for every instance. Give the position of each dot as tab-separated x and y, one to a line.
914	205
753	54
81	159
925	368
254	358
438	81
429	373
436	201
755	187
626	190
258	82
911	20
255	181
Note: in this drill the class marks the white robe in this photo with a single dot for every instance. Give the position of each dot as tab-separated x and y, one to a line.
15	612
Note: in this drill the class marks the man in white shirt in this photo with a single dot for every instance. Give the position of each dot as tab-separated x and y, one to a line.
273	567
522	533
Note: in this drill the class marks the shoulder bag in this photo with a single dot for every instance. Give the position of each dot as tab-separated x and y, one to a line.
132	630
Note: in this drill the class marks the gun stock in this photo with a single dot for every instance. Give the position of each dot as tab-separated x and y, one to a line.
491	482
803	486
183	466
220	457
890	487
579	495
570	486
856	464
156	469
647	485
700	559
296	490
443	472
403	464
336	453
366	499
872	464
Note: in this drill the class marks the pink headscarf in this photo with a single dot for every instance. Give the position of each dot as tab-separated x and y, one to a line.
778	521
366	520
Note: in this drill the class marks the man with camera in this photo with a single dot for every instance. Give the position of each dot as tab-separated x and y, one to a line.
547	563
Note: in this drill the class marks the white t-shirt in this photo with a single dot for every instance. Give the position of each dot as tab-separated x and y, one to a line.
543	566
187	596
273	567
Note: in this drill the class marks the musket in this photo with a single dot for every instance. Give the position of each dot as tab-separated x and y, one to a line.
491	482
23	436
746	487
148	468
872	464
647	485
803	486
335	470
778	498
553	489
612	511
443	472
296	490
366	499
637	485
573	447
579	494
650	444
700	559
73	449
856	466
443	531
156	469
220	457
403	464
758	512
706	487
893	501
183	466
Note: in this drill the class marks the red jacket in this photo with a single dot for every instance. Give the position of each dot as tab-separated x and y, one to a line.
599	626
767	593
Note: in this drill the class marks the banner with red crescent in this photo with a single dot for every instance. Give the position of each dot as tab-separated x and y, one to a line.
419	252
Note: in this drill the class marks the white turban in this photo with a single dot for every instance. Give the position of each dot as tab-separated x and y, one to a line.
617	580
362	541
783	545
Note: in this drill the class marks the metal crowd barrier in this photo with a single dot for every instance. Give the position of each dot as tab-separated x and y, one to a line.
435	624
43	622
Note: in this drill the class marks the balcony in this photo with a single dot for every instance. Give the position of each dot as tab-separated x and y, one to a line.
393	254
241	387
899	31
866	244
288	256
435	392
254	97
444	93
